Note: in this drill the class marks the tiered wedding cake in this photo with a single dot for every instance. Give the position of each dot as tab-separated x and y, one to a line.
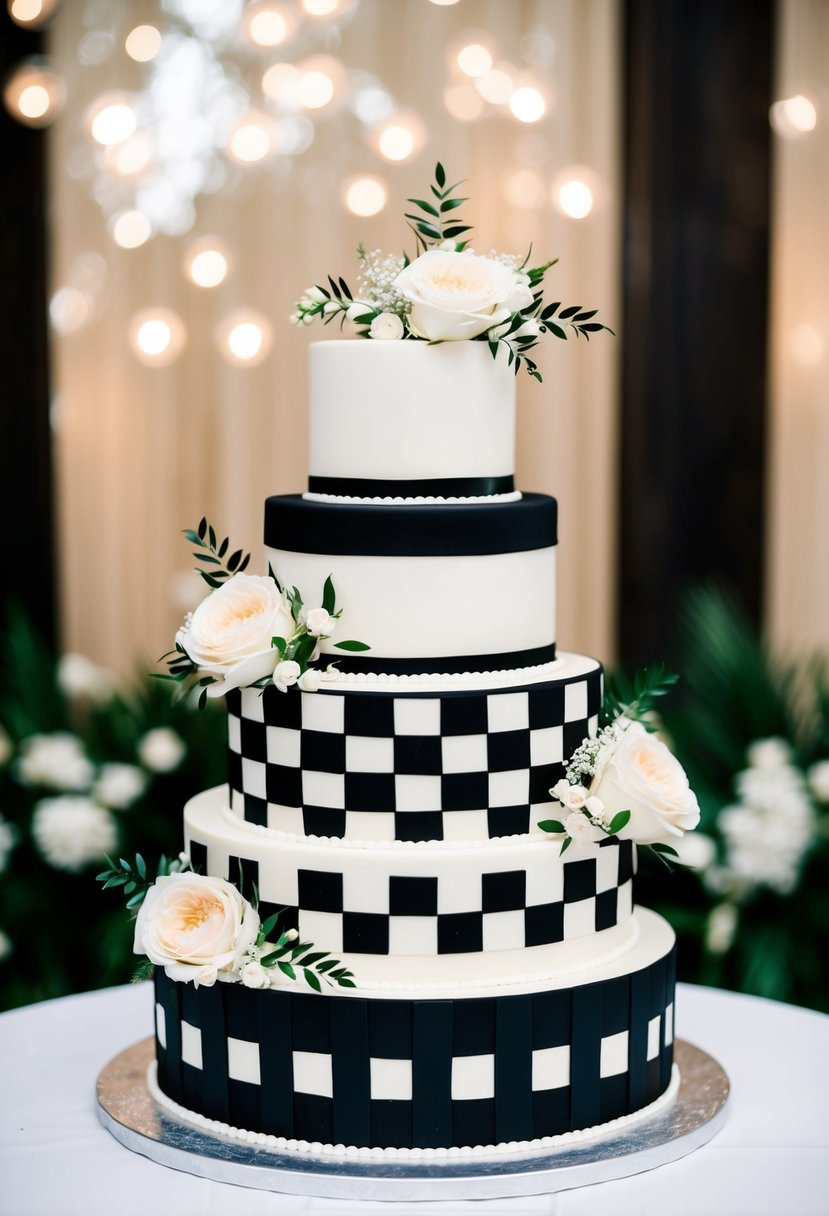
505	988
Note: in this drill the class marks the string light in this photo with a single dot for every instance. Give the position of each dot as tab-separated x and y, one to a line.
495	86
793	116
474	59
250	141
30	13
267	24
111	119
143	43
574	191
132	157
34	94
365	196
245	338
527	104
130	229
157	336
206	262
69	310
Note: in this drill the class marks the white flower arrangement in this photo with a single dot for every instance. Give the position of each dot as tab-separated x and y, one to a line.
625	782
250	631
56	761
202	929
161	750
72	831
448	293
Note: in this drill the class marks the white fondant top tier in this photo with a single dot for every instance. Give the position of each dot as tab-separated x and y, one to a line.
410	412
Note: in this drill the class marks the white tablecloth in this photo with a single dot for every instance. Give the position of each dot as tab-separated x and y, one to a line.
772	1156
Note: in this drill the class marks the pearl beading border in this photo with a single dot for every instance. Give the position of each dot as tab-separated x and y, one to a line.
418	500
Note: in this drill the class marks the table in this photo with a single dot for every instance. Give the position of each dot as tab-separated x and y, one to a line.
771	1158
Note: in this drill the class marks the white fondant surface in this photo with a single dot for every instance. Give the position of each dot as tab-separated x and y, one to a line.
408	410
427	607
366	870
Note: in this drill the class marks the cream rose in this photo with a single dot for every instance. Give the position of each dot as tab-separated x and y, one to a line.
229	634
194	927
639	774
387	327
460	295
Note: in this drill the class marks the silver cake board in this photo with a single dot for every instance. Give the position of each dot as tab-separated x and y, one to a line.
127	1109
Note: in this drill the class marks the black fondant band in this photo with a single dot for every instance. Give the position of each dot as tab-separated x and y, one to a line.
445	664
296	525
438	487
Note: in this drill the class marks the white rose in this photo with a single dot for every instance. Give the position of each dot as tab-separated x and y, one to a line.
286	674
161	750
387	327
229	634
639	774
57	761
81	679
319	621
254	975
195	926
768	753
72	831
528	330
119	785
573	797
310	680
457	295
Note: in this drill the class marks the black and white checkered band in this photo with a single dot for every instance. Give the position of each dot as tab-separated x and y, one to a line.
430	902
424	1073
375	766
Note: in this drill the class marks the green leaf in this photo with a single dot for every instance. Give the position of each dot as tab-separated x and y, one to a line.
346	982
329	597
585	316
666	849
567	313
280	644
424	206
312	979
440	175
618	822
332	962
550	311
296	604
140	865
457	230
352	645
287	969
557	330
450	204
202	528
565	845
552	825
192	537
234	559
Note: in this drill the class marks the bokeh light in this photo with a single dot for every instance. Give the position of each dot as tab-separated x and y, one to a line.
157	336
524	190
463	102
251	140
30	13
112	119
527	104
130	229
69	310
495	86
793	116
574	192
143	43
245	338
206	262
267	24
365	196
474	59
34	93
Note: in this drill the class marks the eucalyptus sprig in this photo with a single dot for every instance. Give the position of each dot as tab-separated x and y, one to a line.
133	877
302	645
212	554
292	956
437	222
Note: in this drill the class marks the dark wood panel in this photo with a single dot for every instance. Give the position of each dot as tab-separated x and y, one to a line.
26	496
697	147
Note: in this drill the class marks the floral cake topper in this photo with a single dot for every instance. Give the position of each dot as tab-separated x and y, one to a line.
448	293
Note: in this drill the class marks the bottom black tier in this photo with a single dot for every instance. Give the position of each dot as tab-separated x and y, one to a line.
398	1072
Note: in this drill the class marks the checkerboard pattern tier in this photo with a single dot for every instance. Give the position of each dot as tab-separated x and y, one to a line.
411	1071
448	764
417	899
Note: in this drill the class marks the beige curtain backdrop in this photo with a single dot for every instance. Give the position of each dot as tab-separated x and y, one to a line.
142	453
798	568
